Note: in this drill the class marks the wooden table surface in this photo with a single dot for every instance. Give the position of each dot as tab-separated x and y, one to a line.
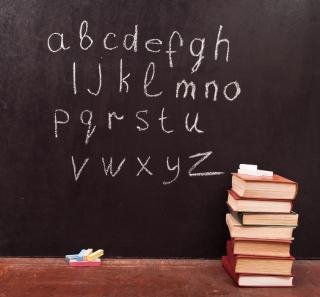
50	277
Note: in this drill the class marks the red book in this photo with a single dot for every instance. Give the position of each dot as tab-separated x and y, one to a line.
274	187
259	264
258	247
252	280
263	205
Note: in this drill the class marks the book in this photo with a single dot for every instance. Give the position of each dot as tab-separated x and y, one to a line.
263	219
236	229
254	280
258	247
242	204
259	264
262	187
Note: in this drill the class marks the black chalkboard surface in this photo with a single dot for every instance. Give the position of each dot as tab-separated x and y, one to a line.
122	120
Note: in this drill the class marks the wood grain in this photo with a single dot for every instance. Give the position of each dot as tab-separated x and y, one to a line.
52	277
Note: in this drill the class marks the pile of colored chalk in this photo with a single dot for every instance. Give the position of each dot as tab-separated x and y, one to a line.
85	258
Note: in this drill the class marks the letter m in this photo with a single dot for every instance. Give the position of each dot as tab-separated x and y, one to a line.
187	87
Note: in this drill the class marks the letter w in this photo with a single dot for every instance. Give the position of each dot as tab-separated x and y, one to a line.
109	168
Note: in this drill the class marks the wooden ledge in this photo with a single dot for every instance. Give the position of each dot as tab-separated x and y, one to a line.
52	277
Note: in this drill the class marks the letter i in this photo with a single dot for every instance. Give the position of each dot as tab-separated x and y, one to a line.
74	78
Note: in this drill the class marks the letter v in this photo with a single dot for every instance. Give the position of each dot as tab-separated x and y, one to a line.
77	174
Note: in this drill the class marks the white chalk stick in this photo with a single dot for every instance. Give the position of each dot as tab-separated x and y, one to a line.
249	172
248	166
265	172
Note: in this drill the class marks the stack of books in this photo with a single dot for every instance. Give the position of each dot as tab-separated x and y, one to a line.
86	257
261	224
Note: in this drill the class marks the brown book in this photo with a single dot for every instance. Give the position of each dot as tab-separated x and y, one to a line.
264	187
242	204
268	219
255	280
258	247
260	264
236	229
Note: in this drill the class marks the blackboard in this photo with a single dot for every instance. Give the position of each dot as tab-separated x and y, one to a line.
251	70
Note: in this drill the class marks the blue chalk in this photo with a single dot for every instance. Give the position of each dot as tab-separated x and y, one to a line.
75	256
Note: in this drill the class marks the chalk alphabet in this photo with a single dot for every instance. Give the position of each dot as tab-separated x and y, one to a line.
161	119
176	167
144	166
139	128
148	80
203	156
84	36
153	42
199	54
237	90
109	169
61	122
194	125
75	172
88	123
170	51
218	43
61	44
123	79
99	84
105	42
113	115
134	42
186	85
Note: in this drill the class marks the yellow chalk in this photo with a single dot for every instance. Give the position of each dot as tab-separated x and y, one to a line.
97	254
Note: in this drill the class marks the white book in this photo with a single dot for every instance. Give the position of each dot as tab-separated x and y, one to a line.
265	281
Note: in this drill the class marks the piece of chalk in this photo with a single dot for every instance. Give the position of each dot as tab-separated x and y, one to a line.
249	172
248	166
97	254
265	172
96	262
70	257
83	256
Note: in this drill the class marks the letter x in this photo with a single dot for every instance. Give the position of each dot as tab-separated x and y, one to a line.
143	166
